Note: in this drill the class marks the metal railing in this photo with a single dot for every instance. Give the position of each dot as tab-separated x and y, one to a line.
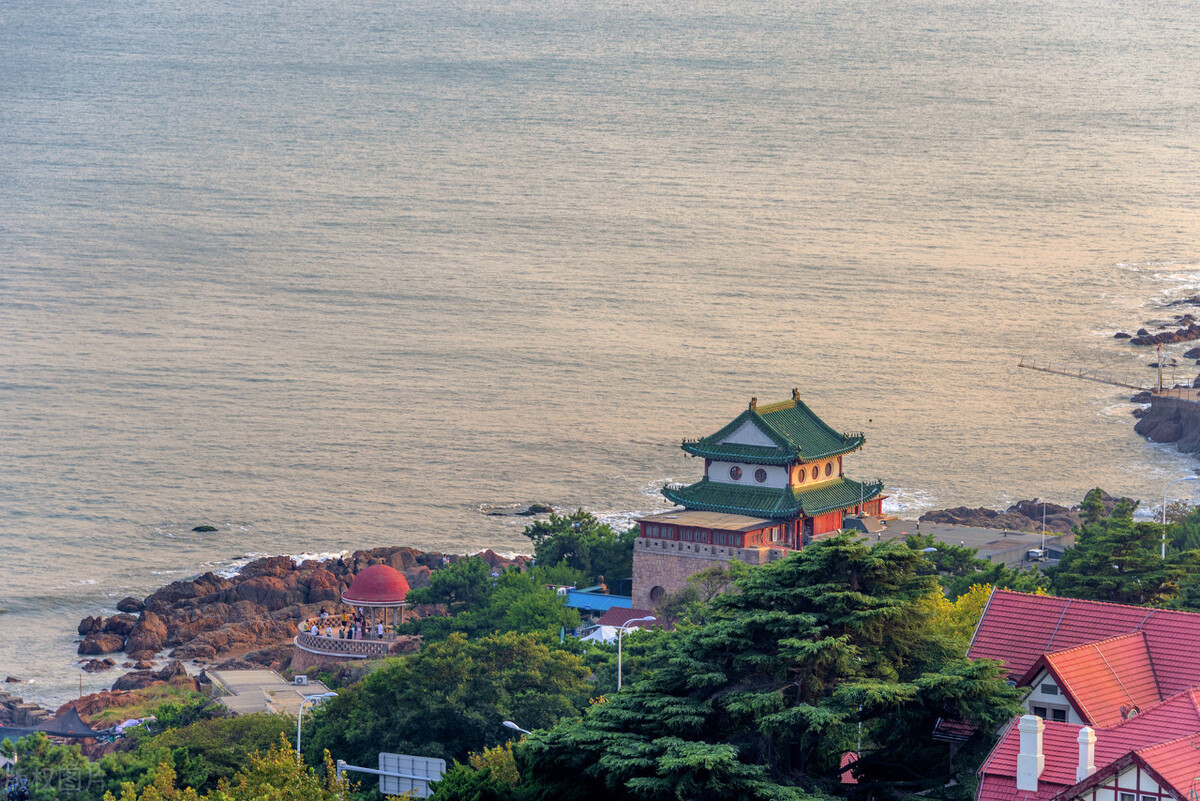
1088	375
334	646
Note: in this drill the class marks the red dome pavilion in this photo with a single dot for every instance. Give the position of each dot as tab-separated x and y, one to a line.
377	586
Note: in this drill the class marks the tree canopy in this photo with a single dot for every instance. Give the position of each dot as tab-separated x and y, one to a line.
582	542
449	699
1116	559
765	699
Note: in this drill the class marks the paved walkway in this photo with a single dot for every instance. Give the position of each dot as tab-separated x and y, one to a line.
994	544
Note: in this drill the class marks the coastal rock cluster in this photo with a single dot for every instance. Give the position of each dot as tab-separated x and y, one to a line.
1173	421
251	616
1185	334
1021	516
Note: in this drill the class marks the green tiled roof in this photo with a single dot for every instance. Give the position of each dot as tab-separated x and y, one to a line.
718	496
798	434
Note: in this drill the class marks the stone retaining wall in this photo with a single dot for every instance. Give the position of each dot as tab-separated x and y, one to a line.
661	567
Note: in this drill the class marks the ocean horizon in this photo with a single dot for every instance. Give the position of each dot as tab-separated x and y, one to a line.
328	276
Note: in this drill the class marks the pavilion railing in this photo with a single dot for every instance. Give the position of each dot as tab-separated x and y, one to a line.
334	646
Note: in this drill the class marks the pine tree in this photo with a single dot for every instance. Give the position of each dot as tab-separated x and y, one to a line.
763	701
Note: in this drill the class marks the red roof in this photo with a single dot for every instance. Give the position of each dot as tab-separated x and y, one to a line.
1177	762
1018	629
1103	677
619	616
1177	716
377	584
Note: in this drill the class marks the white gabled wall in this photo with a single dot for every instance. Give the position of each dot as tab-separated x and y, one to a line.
749	434
777	477
1039	697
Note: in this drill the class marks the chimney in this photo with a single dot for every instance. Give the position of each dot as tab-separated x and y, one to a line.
1030	761
1087	753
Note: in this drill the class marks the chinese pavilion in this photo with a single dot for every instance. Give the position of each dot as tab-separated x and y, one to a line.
773	482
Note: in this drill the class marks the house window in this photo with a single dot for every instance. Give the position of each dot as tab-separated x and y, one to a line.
1049	689
1059	714
1128	797
1040	711
1149	798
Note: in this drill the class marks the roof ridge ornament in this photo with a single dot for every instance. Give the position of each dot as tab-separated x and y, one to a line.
754	404
795	394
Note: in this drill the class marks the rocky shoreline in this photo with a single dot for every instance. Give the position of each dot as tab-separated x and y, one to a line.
247	620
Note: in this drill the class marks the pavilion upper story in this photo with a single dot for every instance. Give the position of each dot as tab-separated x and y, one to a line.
776	475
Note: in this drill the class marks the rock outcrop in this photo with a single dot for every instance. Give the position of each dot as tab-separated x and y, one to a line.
1172	421
1021	516
251	616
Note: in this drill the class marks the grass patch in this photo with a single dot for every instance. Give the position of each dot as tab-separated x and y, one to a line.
144	703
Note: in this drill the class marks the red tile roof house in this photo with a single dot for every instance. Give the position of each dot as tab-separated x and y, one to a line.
1114	700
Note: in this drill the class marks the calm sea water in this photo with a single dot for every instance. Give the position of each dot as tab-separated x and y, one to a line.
331	275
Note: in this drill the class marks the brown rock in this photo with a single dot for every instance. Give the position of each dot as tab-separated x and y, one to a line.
91	624
417	576
149	634
120	624
174	674
270	591
100	643
97	665
405	645
268	566
235	638
322	586
403	558
130	604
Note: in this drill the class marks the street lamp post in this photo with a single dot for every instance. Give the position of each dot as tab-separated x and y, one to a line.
1164	510
508	724
620	631
300	715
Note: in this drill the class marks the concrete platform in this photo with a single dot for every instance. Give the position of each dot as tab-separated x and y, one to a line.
996	545
247	691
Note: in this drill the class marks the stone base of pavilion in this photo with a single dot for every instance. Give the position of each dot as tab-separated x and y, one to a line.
315	651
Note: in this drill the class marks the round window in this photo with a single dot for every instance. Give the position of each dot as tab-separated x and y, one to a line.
735	473
803	474
760	475
829	468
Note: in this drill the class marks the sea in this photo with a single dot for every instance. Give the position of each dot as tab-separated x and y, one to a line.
329	275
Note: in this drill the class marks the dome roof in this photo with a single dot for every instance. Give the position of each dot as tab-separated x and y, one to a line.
377	585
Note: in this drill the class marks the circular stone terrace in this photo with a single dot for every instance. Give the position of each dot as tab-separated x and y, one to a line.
373	597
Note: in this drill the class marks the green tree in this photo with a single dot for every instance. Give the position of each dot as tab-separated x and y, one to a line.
202	753
53	771
582	542
1116	559
464	582
693	602
763	700
520	602
451	698
959	568
276	775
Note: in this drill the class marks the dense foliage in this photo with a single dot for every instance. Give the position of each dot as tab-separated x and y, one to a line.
276	775
450	699
515	601
959	568
1118	559
583	543
764	700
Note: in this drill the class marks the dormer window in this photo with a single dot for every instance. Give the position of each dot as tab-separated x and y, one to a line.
1049	688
